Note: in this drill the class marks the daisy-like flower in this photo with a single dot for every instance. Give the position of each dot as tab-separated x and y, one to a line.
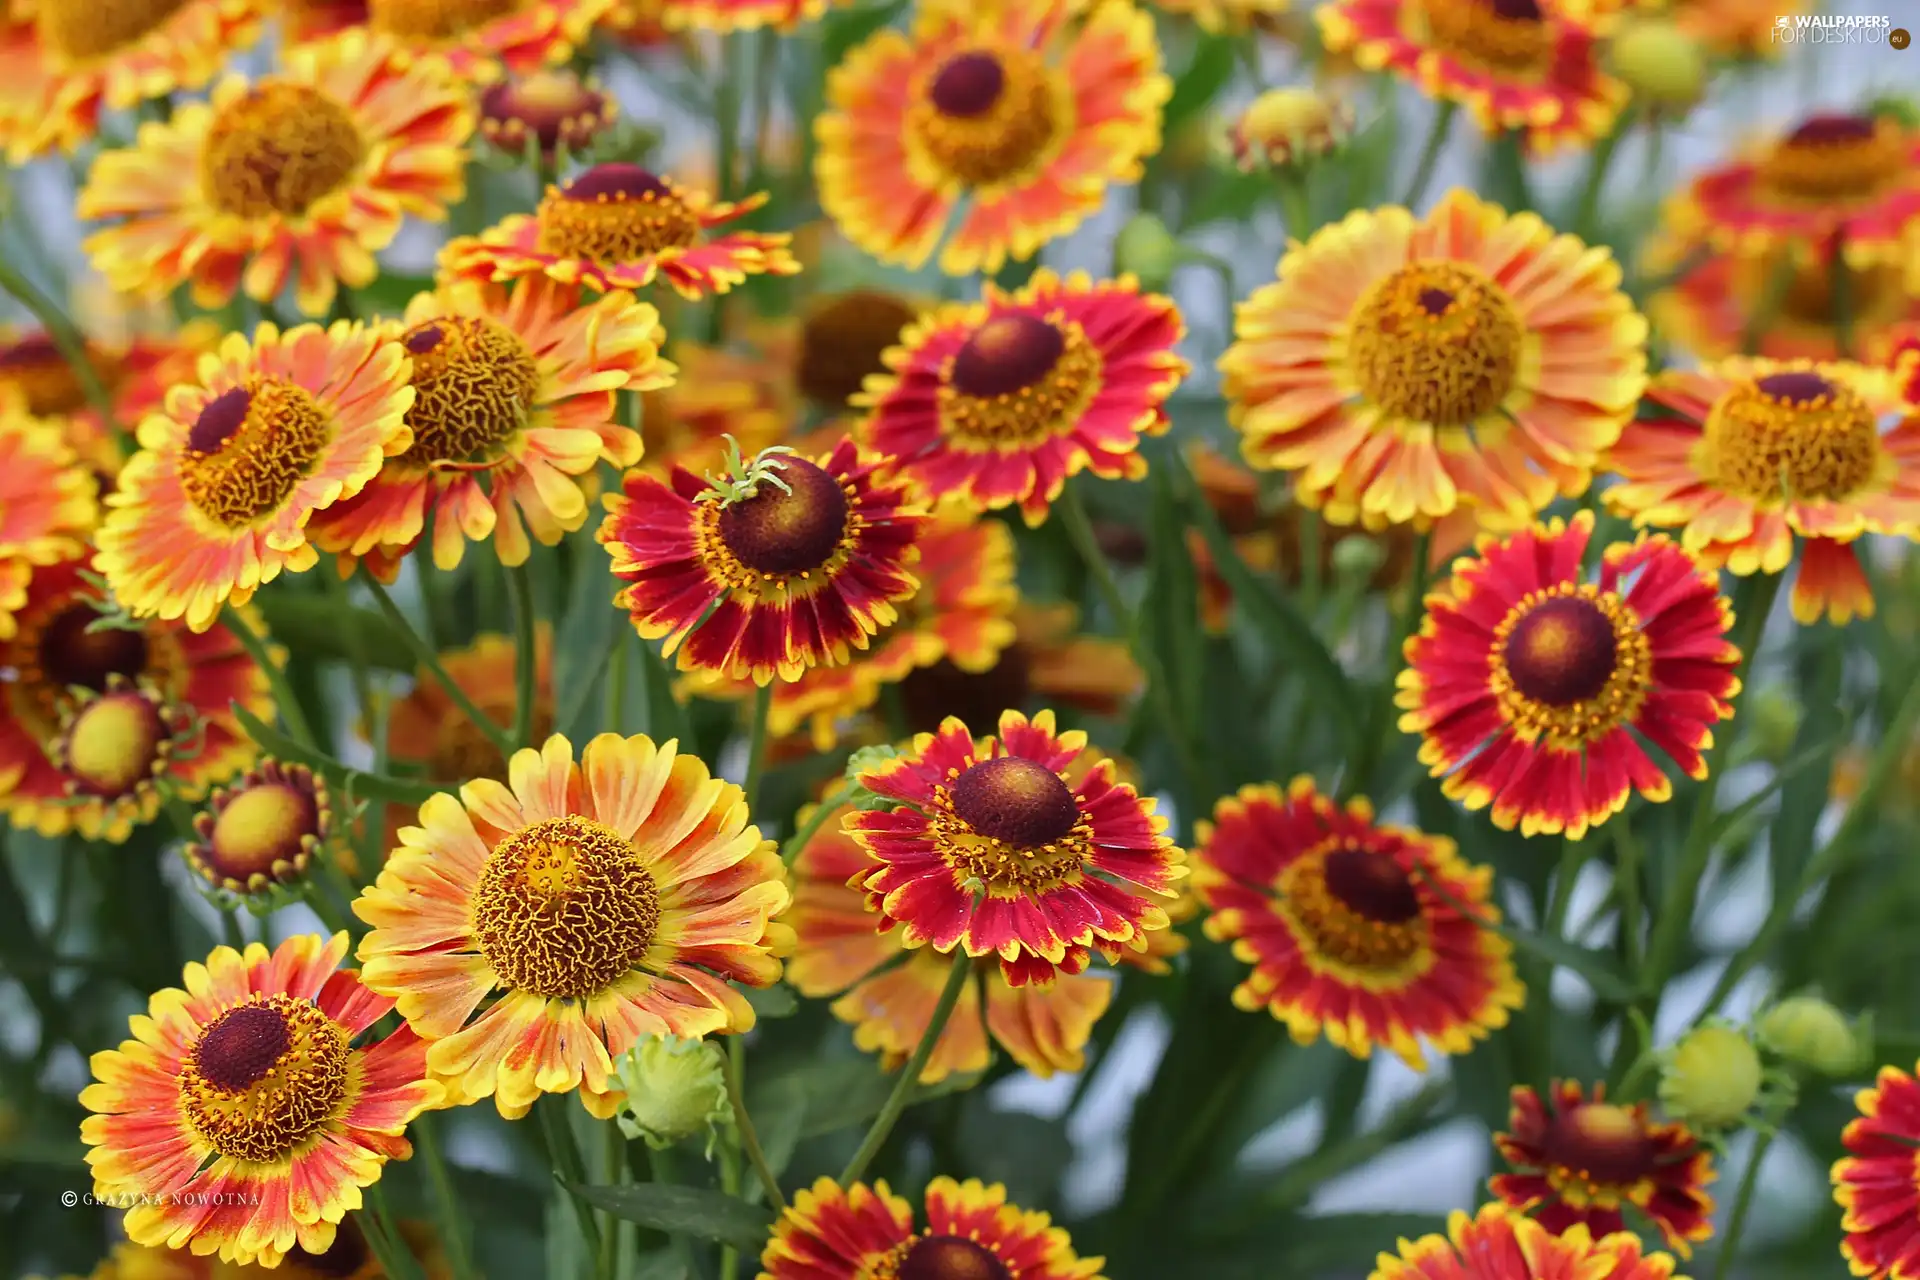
1582	1160
1021	114
514	384
1847	179
1347	934
297	177
479	38
961	614
228	474
248	1111
549	108
1874	1182
832	1232
1059	868
262	833
69	60
791	563
1000	401
1749	455
619	226
113	749
1499	1244
1533	686
1708	308
53	653
1050	661
595	903
47	502
1516	65
1403	368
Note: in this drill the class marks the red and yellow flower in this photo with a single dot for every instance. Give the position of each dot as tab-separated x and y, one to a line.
1499	1244
796	564
47	502
1713	301
1874	1182
1051	661
1008	120
66	61
724	16
619	226
995	851
201	674
515	384
305	20
1351	925
534	931
1582	1160
263	833
298	177
243	1119
1227	16
1404	368
230	471
480	38
832	1232
1516	65
349	1257
1000	401
1749	455
549	108
1532	686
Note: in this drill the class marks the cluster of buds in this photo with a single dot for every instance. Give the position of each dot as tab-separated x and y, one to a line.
676	1089
1722	1077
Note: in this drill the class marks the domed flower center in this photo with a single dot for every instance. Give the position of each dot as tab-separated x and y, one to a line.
1356	906
565	908
461	752
1836	158
550	107
841	344
930	694
1570	663
988	116
436	19
278	150
1603	1143
792	530
250	448
115	743
1562	651
260	826
474	382
1020	379
950	1258
71	655
1791	436
1016	801
1504	35
264	1077
78	30
615	213
35	366
1436	342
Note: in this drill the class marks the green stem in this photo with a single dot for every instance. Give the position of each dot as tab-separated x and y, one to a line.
806	831
1573	856
384	1238
1841	286
1430	154
65	336
1295	208
1587	209
734	1066
520	594
730	1184
617	680
430	662
283	696
1380	722
757	744
446	1204
1742	1203
563	1154
896	1102
613	1159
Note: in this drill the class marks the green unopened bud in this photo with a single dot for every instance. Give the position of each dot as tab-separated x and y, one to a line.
1775	719
1712	1078
675	1089
1663	65
1148	250
1358	557
865	760
1809	1032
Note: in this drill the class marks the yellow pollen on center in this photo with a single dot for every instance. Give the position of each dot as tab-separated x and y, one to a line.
474	383
615	213
1604	1122
1831	159
1436	342
985	117
436	19
264	1077
75	31
1791	436
1352	912
279	149
250	448
1506	35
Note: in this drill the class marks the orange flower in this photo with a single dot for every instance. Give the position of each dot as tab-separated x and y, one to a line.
1708	308
1498	1244
479	38
47	502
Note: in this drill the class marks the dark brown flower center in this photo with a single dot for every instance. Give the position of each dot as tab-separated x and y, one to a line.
617	181
279	149
1797	387
223	415
1562	651
551	107
951	1258
1372	885
615	213
788	530
436	19
1791	435
78	30
1836	159
71	655
266	1076
239	1050
968	85
35	365
250	448
842	343
1015	801
474	383
1435	301
1517	10
1508	35
930	694
1830	128
1609	1144
1008	353
987	116
1436	342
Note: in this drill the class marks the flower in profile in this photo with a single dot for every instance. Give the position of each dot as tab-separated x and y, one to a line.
832	1232
298	177
1582	1160
263	832
1712	1078
244	1119
535	931
1874	1182
674	1089
1715	297
549	108
784	564
230	471
516	386
1533	687
1007	120
1404	368
47	503
116	750
66	61
480	38
619	226
1850	180
1515	65
1727	28
1499	1244
58	649
1289	127
1748	455
1058	868
1352	926
1051	662
1000	401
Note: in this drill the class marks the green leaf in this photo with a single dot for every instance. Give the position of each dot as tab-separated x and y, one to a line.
1212	66
841	31
1598	969
772	1002
708	1215
314	625
841	1094
1229	196
1173	620
361	785
390	292
780	1115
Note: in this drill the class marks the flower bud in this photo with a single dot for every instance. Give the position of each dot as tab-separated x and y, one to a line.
675	1088
1358	557
1292	126
1712	1078
1146	249
1663	65
1776	716
1809	1032
862	761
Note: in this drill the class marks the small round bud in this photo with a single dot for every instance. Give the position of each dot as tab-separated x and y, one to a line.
1663	65
1292	126
1809	1032
675	1089
1776	716
1148	250
1358	557
1712	1078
